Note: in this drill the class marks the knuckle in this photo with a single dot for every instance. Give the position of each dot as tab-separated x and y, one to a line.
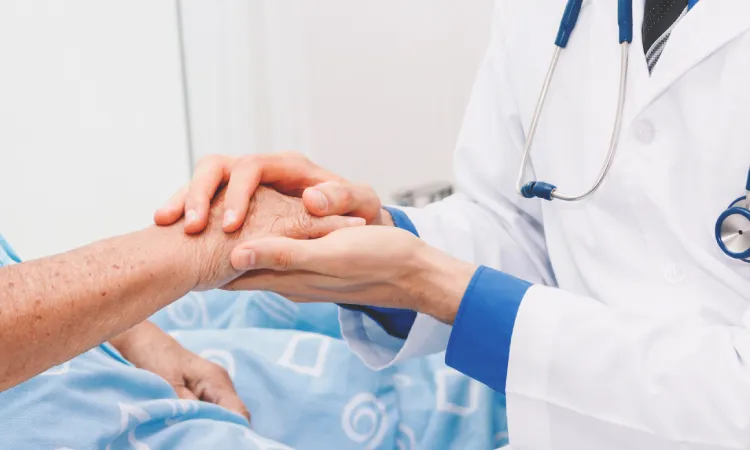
298	227
219	371
283	260
203	386
250	160
210	369
345	195
369	196
242	169
367	189
210	161
293	154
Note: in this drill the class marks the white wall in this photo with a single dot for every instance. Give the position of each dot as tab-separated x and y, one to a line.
374	90
388	85
92	134
92	121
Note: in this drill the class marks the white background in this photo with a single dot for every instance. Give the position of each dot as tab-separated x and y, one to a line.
93	129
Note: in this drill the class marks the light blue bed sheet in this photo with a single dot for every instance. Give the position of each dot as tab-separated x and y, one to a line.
304	387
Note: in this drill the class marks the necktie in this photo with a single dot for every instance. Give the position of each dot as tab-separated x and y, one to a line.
659	19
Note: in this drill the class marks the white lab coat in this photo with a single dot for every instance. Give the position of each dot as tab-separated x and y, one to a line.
637	333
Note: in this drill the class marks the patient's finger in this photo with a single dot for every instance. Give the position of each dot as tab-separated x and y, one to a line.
216	387
173	209
243	182
342	198
231	401
209	173
184	393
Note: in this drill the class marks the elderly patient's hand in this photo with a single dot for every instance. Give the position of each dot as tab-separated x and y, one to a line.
192	377
269	214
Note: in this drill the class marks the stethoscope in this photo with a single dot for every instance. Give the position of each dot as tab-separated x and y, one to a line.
733	226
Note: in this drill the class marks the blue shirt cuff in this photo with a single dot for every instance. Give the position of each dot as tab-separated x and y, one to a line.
396	322
401	220
479	345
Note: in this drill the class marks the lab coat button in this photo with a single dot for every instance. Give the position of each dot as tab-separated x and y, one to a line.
675	273
645	132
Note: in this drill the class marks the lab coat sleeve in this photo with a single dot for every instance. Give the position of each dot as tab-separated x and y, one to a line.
485	222
589	376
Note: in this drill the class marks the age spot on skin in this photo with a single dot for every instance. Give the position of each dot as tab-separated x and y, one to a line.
115	266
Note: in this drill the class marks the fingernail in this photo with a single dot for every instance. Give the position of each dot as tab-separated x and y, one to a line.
355	221
229	217
320	200
191	216
246	258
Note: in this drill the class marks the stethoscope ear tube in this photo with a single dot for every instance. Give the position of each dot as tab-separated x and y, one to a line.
625	20
568	22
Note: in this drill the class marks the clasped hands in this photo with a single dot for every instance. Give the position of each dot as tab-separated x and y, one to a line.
281	223
296	229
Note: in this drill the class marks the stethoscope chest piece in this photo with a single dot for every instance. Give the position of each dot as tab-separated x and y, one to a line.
733	230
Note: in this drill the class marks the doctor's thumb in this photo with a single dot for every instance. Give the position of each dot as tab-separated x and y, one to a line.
273	253
333	197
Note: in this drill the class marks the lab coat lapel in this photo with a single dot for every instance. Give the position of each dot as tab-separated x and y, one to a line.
709	26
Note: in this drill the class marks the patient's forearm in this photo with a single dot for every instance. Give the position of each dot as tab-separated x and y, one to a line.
55	308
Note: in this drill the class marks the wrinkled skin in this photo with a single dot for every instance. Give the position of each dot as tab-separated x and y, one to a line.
191	377
147	347
269	214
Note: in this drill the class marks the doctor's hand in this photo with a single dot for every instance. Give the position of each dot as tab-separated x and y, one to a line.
375	265
192	377
323	193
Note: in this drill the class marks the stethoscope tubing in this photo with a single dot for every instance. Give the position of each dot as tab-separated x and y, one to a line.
549	191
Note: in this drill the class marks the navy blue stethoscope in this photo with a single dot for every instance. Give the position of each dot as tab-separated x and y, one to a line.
733	226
